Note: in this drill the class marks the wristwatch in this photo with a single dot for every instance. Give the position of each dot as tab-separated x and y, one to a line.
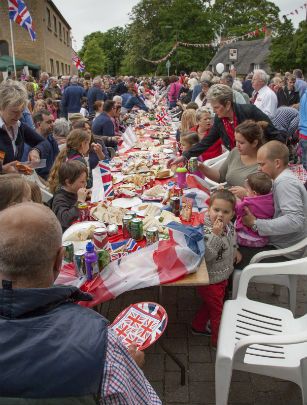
254	227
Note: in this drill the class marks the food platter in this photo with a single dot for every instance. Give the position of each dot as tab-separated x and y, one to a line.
81	232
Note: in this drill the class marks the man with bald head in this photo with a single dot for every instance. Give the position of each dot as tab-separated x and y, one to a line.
55	351
289	224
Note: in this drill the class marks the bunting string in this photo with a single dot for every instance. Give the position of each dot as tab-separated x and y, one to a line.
222	42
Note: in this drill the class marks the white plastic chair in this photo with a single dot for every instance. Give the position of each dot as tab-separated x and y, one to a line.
289	281
215	163
46	195
261	338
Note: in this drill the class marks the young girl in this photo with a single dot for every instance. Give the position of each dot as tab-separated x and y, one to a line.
84	110
13	189
220	254
72	181
188	121
204	123
77	146
187	140
260	202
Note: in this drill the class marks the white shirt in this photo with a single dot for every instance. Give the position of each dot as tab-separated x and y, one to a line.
266	101
12	132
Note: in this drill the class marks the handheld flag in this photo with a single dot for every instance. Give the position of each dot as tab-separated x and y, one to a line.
78	62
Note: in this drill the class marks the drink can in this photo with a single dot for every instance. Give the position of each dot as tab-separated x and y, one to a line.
132	213
84	212
161	140
175	205
100	238
136	229
112	229
193	164
152	235
177	191
126	226
79	263
68	252
104	258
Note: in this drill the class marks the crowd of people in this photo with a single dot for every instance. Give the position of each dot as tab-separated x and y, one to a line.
259	123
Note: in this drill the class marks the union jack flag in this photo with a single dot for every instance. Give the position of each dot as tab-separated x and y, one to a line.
106	178
123	248
78	62
19	13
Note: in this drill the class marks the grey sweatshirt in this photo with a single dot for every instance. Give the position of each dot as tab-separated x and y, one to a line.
289	224
220	252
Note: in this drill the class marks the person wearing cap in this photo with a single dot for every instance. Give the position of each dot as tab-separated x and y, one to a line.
71	100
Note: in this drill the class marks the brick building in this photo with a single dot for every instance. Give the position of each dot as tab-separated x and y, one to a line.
52	48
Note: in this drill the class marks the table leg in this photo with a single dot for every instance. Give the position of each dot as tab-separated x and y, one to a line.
167	350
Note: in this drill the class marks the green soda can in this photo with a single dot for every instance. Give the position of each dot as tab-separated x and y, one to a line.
104	258
136	229
193	164
68	252
79	263
152	235
126	226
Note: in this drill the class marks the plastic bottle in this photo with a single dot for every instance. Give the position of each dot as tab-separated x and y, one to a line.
91	261
181	176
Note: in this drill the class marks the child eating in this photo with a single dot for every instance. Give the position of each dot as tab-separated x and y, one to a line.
187	140
260	202
72	181
220	254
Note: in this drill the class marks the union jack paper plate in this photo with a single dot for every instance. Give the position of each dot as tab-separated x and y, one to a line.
141	324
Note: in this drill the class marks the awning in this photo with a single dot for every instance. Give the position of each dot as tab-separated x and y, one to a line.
6	63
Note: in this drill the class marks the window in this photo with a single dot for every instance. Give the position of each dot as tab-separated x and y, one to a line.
51	66
66	68
55	25
48	18
69	69
62	69
67	35
64	35
60	31
4	48
57	67
256	66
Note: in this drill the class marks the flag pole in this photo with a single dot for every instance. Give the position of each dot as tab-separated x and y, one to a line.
13	49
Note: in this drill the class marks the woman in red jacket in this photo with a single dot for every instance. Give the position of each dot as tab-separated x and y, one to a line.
204	123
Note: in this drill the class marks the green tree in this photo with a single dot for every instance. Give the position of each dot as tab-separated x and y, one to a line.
155	28
96	61
282	52
238	17
300	44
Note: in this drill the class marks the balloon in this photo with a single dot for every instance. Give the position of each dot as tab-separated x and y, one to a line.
220	68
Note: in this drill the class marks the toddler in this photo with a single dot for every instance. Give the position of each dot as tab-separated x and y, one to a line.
187	140
260	202
72	181
220	254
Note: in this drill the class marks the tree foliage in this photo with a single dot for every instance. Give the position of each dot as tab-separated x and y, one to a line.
155	26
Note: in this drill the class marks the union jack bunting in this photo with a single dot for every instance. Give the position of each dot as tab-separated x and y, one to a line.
106	178
161	118
19	13
78	62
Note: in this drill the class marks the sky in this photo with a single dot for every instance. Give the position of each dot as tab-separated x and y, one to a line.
100	15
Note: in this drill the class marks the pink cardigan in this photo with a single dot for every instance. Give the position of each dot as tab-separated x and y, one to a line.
262	207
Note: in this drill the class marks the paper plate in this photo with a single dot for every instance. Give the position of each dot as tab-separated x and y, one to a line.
117	178
141	324
140	209
77	227
126	202
166	177
168	151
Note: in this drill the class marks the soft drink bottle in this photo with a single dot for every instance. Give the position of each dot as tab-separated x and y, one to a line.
91	261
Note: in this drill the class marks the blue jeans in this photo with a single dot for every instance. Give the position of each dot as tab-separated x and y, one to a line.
303	145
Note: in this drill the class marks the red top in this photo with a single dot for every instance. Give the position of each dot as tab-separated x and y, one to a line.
230	129
213	151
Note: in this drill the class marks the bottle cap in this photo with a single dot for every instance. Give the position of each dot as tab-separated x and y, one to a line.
181	170
90	247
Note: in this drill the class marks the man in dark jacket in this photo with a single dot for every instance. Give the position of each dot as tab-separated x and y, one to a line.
58	352
95	93
43	121
71	100
103	124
